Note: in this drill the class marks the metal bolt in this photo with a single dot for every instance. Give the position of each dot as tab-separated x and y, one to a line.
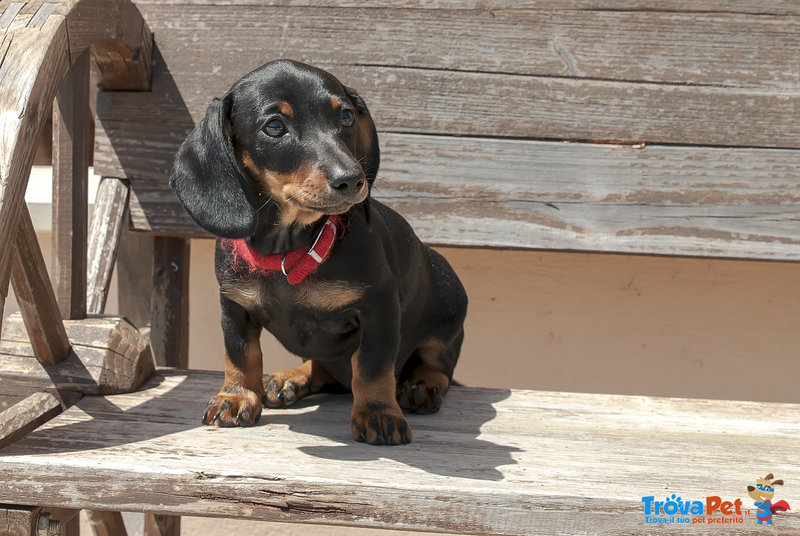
46	526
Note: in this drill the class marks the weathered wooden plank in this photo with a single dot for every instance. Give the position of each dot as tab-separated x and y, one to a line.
106	523
566	86
169	329
110	208
27	415
37	302
109	355
71	137
676	48
773	7
491	461
512	193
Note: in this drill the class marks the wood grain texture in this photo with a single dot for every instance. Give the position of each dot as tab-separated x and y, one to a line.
481	104
71	137
109	355
169	328
773	7
110	209
739	203
491	461
35	296
135	275
708	49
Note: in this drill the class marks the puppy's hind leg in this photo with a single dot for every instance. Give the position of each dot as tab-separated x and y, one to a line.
427	375
285	387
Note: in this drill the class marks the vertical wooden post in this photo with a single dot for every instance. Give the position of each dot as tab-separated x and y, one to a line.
71	138
135	275
37	302
169	330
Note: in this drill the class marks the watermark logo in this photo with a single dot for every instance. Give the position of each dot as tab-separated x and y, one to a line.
762	493
714	509
674	510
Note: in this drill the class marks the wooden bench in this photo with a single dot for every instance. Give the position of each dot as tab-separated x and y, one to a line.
581	125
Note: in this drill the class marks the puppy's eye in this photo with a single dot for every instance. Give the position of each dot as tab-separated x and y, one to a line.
274	128
348	117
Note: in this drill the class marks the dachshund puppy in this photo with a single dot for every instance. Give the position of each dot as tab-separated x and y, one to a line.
280	169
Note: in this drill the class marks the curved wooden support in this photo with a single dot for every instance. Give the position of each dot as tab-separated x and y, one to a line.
40	41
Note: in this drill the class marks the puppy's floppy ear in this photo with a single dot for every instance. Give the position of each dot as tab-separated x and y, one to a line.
369	152
208	180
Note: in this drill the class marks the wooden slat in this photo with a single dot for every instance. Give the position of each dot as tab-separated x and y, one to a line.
490	462
169	333
710	49
110	208
741	203
581	77
772	7
35	296
71	137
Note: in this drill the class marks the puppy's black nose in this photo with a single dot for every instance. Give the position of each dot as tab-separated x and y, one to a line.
347	182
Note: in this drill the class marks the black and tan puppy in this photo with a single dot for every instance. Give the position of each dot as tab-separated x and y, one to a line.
281	170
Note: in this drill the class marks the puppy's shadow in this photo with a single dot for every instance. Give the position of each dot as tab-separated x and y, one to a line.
447	443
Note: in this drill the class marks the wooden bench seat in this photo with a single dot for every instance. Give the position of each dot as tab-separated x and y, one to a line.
492	461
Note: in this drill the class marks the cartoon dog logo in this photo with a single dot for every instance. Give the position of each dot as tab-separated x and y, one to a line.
763	492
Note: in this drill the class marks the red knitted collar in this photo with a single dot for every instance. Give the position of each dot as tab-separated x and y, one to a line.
296	265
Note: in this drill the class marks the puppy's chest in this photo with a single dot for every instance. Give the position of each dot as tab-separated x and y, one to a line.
317	305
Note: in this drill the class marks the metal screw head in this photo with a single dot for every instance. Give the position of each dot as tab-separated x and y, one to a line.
46	526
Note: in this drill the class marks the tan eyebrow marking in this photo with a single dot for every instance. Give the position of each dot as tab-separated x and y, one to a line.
286	109
335	102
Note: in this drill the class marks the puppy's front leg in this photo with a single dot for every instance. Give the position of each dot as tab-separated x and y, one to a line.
376	417
238	403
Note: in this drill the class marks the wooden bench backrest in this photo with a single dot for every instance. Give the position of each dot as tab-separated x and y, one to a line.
683	127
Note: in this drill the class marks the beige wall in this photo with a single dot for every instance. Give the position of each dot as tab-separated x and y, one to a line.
597	323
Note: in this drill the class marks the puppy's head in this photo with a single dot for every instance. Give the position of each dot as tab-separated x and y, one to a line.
286	134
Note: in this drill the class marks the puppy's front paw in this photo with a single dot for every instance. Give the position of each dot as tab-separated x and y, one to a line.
233	406
379	424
